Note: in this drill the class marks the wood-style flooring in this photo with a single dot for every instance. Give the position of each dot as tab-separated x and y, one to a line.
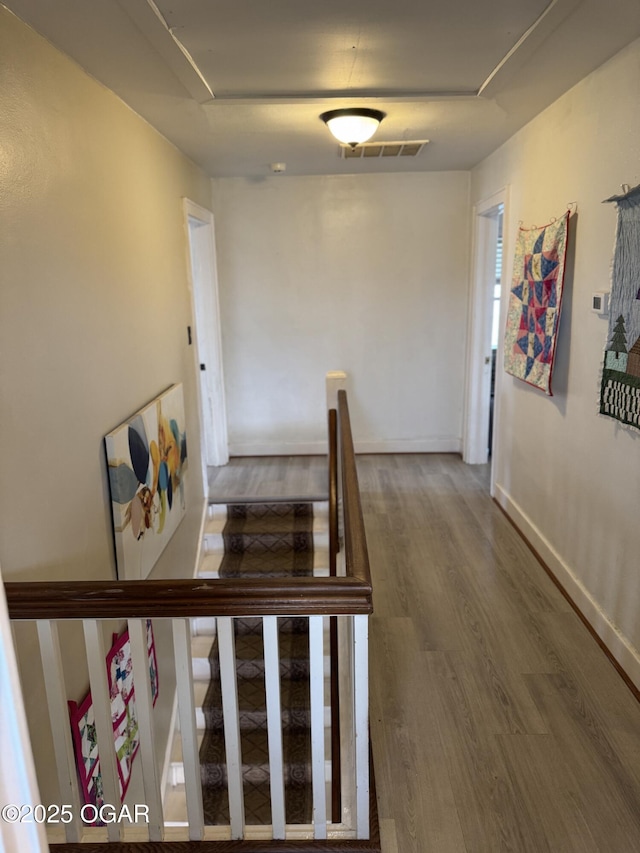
497	722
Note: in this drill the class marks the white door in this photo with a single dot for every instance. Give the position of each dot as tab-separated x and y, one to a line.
206	335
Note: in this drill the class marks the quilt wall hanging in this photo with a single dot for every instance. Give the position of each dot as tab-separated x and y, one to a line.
147	461
535	300
620	385
124	719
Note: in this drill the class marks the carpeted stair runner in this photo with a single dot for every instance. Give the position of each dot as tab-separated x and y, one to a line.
268	540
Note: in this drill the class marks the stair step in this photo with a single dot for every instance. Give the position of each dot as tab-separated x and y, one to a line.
252	539
254	747
296	713
176	765
264	565
297	796
294	657
317	508
200	650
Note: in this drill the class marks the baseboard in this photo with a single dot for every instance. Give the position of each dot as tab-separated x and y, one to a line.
278	448
619	648
444	444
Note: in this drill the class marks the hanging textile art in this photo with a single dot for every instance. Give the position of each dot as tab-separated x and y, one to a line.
534	303
620	386
123	716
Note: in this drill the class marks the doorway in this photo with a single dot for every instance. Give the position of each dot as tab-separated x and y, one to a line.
485	340
206	337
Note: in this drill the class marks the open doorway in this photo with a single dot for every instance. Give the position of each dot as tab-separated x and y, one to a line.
495	323
484	337
205	336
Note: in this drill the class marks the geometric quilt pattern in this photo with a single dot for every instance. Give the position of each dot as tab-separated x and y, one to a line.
123	716
534	303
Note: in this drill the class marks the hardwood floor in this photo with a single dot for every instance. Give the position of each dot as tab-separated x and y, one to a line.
497	722
263	477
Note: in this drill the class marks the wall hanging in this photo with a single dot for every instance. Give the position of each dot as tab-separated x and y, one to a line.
147	459
123	717
620	385
535	301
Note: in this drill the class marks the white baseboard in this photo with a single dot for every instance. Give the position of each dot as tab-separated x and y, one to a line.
278	448
618	645
445	444
442	444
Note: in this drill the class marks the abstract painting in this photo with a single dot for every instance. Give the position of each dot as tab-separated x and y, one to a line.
534	303
620	386
147	461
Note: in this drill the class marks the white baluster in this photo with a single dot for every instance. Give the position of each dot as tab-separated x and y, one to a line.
316	679
144	709
361	718
231	717
188	731
274	724
96	659
59	718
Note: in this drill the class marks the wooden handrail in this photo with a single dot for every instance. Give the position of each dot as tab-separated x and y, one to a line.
188	597
332	596
334	545
356	553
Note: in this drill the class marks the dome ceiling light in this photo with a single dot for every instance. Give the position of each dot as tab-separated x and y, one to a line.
353	126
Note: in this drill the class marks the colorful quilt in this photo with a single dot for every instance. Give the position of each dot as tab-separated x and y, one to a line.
534	303
123	716
620	386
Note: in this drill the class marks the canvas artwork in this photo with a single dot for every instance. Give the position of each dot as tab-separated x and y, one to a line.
535	301
147	460
620	385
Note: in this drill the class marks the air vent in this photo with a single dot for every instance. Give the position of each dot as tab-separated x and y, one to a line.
406	148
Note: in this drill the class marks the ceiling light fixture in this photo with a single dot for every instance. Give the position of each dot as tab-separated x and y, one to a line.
353	126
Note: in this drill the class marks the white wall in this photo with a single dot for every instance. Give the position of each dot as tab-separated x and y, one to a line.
93	314
366	274
570	477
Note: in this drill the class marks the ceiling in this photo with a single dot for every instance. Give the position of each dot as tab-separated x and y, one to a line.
239	84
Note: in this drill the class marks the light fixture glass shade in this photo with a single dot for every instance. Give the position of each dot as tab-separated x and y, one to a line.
353	126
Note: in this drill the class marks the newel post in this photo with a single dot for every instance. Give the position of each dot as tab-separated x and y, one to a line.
336	381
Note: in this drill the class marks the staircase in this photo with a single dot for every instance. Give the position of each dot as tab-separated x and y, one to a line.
248	539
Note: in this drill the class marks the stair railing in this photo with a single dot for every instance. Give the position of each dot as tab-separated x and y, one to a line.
346	595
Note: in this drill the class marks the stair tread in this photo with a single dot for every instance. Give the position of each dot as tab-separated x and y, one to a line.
201	645
260	539
251	647
294	696
273	563
298	804
254	748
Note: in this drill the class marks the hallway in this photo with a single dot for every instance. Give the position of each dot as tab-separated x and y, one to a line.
497	721
498	724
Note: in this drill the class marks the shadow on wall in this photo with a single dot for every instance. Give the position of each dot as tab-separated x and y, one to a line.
560	384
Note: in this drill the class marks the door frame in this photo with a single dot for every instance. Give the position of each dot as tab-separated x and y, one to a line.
478	386
206	335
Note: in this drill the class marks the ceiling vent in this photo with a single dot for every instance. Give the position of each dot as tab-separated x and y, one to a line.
406	148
